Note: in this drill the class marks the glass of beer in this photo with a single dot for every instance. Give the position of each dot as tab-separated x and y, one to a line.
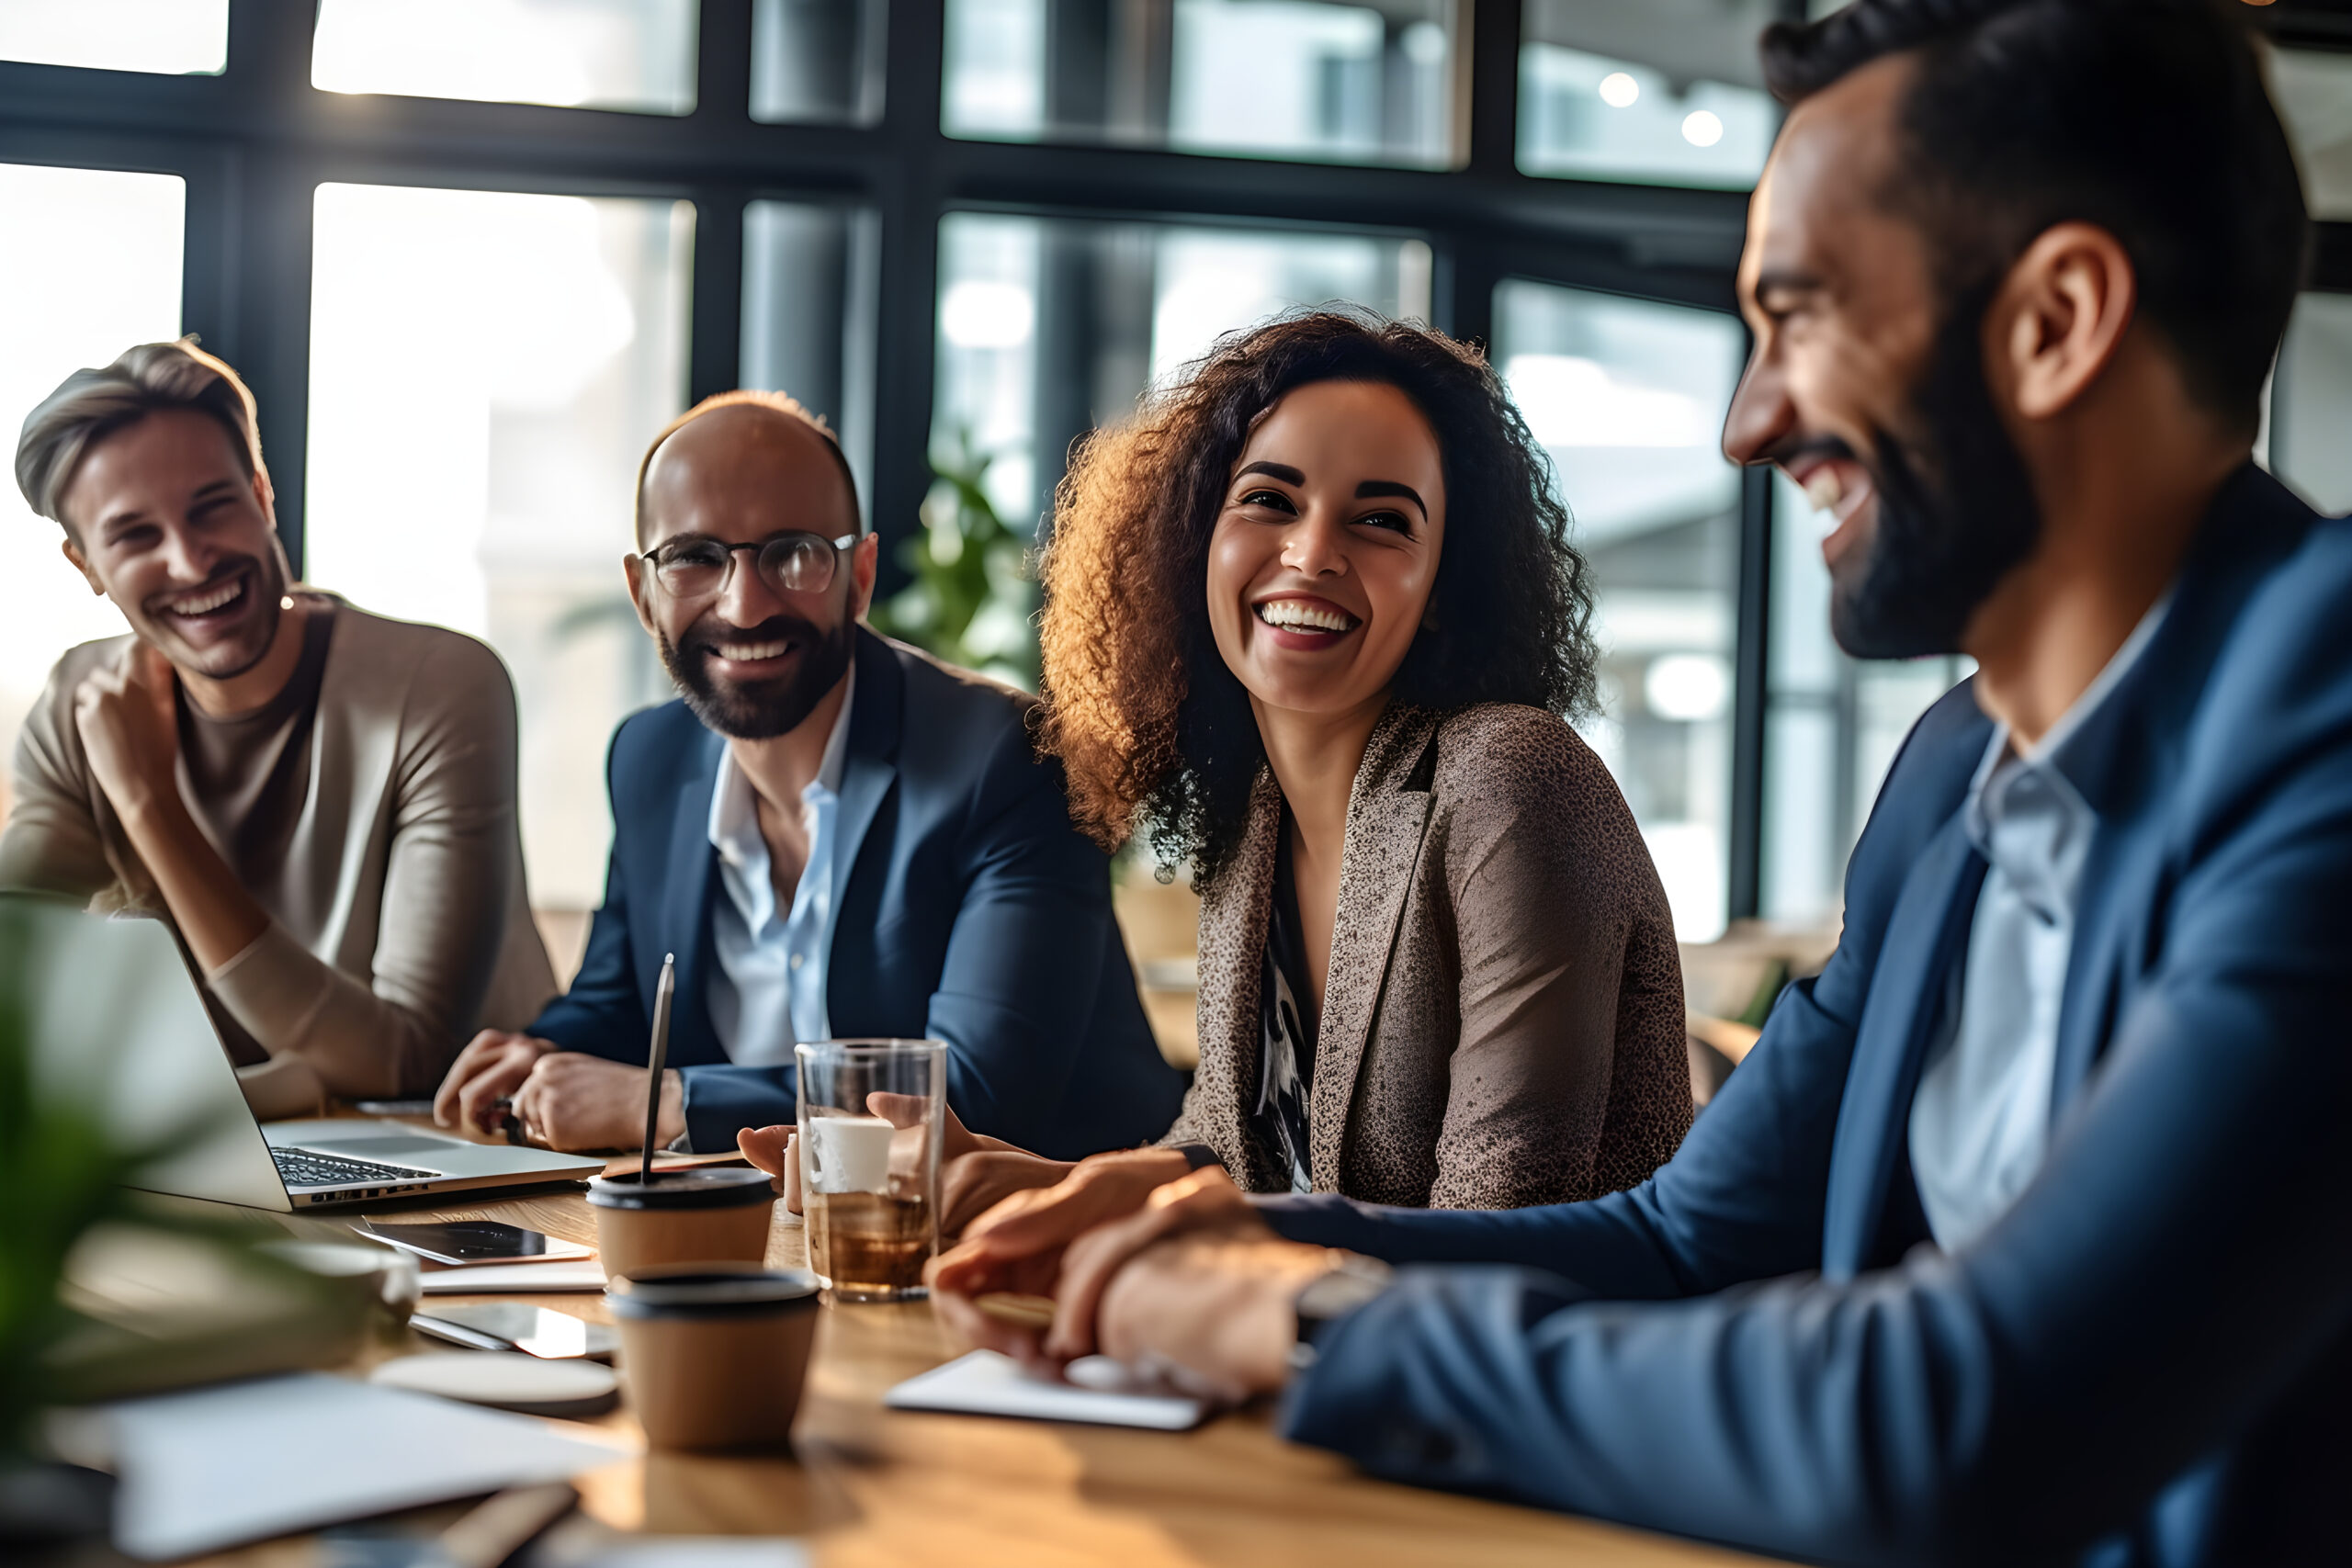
871	1112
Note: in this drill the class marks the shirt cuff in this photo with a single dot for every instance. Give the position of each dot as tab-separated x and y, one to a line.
1197	1156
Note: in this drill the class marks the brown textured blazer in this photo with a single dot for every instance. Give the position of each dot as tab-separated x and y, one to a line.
1502	1018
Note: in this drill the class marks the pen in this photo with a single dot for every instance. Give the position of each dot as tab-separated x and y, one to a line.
654	1058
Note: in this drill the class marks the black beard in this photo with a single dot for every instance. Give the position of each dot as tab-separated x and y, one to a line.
1939	549
760	710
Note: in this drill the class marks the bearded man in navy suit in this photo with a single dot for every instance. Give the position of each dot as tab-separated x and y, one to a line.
2019	1236
837	837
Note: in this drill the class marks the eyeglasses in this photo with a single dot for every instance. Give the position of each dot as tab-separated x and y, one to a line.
792	563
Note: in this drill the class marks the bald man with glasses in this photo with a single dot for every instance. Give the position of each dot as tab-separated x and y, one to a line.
836	835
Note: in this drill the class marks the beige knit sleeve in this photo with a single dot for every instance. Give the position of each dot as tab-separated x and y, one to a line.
451	881
52	842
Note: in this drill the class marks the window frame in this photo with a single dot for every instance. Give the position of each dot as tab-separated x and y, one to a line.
256	141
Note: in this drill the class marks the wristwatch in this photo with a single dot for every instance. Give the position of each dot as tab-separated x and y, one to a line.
1350	1281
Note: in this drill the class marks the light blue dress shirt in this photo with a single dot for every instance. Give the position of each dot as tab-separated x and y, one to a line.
767	991
1980	1122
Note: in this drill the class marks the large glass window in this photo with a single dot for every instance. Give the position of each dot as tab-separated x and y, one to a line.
1667	92
817	60
164	38
486	369
96	268
1628	398
809	277
599	54
1281	78
1831	725
1048	328
2311	402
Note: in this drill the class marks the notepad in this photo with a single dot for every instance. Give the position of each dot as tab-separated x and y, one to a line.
986	1383
499	1279
247	1460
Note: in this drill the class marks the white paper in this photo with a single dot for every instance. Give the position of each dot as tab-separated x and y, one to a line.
986	1383
500	1278
247	1460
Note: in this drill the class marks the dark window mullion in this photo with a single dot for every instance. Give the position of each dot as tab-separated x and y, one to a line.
715	313
908	195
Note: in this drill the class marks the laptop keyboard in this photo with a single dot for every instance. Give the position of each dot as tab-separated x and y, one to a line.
303	1167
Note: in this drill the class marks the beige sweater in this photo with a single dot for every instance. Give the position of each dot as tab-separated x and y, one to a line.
401	923
1502	1009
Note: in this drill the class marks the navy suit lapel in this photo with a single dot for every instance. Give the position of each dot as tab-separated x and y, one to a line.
685	903
869	767
2127	752
1925	937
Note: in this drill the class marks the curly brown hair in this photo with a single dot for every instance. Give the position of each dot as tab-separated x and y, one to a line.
1151	728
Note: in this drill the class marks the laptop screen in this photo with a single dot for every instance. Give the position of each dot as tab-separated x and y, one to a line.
119	1026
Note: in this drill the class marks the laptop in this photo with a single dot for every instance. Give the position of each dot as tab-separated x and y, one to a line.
118	1025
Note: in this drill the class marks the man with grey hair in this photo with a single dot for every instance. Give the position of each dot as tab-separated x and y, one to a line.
321	801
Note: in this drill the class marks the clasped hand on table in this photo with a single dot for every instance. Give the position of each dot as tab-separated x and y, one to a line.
1152	1272
563	1100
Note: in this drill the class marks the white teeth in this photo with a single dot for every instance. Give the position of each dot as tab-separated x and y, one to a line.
204	604
747	652
1825	489
1292	614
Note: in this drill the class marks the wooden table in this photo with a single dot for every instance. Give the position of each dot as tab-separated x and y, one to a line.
872	1486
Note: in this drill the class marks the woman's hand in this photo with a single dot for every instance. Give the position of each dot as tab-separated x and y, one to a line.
980	1180
776	1149
1016	1247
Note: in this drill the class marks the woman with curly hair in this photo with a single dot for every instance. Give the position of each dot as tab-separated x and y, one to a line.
1312	624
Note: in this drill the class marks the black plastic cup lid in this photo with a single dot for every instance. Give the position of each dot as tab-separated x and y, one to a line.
703	1187
694	1291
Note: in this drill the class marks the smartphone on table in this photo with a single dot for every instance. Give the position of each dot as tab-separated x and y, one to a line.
510	1326
463	1242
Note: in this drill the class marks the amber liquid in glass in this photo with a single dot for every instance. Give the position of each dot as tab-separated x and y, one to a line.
868	1245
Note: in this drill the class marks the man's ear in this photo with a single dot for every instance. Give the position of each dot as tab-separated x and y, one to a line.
82	564
634	573
865	557
265	494
2059	319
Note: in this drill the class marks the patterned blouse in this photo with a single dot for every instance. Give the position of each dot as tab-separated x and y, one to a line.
1287	1035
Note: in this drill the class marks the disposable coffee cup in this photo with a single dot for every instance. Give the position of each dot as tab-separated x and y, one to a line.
710	1215
715	1358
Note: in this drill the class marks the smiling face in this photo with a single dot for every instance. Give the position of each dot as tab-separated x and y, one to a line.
1867	385
1325	547
754	660
164	519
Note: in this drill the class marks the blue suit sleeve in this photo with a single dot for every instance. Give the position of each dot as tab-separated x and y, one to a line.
1016	991
722	1099
2163	1279
1740	1200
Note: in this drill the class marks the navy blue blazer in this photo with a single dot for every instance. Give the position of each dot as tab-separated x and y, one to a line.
2148	1361
968	909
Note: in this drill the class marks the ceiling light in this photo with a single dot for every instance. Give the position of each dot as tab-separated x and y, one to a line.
1702	129
1619	90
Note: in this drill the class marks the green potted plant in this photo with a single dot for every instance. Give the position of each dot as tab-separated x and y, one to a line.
971	592
228	1305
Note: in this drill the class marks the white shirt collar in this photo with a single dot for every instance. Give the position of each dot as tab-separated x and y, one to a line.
734	818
